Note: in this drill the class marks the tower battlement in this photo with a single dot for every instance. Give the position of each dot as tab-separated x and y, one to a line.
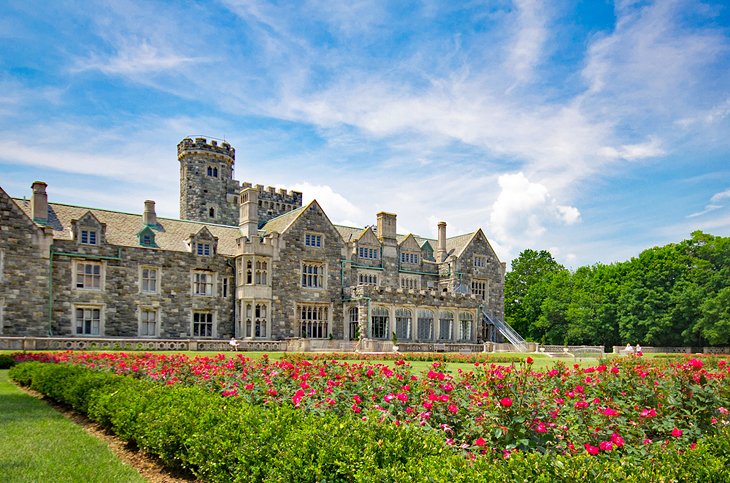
201	146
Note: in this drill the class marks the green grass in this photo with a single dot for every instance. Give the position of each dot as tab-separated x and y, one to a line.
38	444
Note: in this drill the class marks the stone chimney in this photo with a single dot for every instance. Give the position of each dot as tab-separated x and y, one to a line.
39	203
386	225
149	217
441	249
249	213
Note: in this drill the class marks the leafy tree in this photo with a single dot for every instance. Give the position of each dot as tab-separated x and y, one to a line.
528	269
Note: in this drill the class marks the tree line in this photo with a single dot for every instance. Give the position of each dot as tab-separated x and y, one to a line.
674	295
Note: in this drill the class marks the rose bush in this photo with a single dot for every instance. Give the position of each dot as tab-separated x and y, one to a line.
619	407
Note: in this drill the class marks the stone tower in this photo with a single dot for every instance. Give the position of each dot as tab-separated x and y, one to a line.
208	192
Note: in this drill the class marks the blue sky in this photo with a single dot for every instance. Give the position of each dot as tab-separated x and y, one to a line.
592	129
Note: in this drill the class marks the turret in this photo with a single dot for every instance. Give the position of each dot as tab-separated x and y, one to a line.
208	192
249	213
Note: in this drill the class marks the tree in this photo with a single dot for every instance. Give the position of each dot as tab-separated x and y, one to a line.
529	269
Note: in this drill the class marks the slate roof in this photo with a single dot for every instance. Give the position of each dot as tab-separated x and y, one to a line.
282	222
122	228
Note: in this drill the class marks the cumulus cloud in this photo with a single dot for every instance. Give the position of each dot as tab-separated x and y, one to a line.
524	209
338	208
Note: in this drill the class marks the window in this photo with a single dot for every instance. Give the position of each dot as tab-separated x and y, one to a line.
403	319
149	281
410	282
446	320
425	325
88	236
411	258
249	272
225	286
313	321
88	321
255	324
202	283
379	323
203	249
147	322
262	270
354	324
480	289
312	275
202	324
312	240
372	253
88	275
465	326
367	279
211	212
212	172
147	240
260	321
2	264
480	261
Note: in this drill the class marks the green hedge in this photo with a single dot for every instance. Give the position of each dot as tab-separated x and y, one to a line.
227	439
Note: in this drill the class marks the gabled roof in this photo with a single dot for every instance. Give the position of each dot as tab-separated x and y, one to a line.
122	228
281	223
456	245
349	233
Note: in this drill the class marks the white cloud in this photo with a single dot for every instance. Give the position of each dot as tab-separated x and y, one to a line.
523	211
134	58
526	48
338	208
720	196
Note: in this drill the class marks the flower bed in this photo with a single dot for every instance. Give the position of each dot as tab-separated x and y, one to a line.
624	406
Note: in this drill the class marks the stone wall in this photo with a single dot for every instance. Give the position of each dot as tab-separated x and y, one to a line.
120	297
286	277
23	272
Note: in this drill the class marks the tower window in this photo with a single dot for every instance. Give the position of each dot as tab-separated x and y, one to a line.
211	212
213	172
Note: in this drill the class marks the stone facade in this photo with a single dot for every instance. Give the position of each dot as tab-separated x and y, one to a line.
244	261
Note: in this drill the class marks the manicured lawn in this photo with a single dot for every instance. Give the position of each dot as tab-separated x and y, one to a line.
38	444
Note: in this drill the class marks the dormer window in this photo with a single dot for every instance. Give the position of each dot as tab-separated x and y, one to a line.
88	237
147	238
212	172
203	249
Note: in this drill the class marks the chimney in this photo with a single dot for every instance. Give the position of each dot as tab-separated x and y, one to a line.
39	203
386	225
441	250
249	212
149	217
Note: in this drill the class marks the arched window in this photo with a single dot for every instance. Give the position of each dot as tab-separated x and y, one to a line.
248	328
465	326
354	323
425	325
379	323
261	272
446	321
260	328
211	212
249	272
403	319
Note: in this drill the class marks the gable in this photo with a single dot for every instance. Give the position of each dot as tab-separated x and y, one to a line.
313	218
368	238
10	210
410	244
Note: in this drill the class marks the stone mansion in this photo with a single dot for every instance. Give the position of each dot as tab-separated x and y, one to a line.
242	260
